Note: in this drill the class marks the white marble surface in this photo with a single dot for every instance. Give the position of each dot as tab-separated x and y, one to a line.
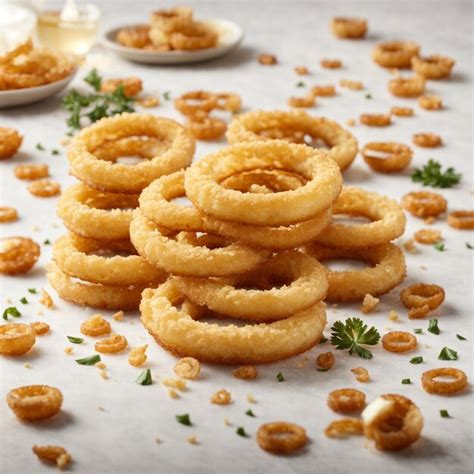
121	437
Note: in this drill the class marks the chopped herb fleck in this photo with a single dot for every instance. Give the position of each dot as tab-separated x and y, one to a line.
32	291
321	370
167	95
11	311
40	147
250	413
23	300
406	381
47	242
75	340
461	338
440	247
433	326
93	79
241	432
368	96
91	360
444	414
323	340
144	378
469	246
183	419
300	84
280	377
416	360
55	152
448	354
431	175
418	331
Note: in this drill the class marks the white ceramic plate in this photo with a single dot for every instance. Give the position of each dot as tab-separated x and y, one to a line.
230	35
17	97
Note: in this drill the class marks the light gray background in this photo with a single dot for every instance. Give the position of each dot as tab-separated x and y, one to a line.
121	439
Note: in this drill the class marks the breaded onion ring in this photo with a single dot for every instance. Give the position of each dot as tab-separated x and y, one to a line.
421	295
323	185
35	402
176	330
428	236
93	295
430	102
308	100
31	171
456	384
206	128
16	339
427	140
349	28
8	214
254	296
44	188
111	345
344	427
281	437
198	35
432	67
10	142
18	255
388	220
401	111
395	54
95	214
396	425
375	120
134	37
461	219
387	272
193	102
424	204
119	177
183	254
346	400
97	262
412	86
252	126
387	157
229	101
173	19
399	341
95	326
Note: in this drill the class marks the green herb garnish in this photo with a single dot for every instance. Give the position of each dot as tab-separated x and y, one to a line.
440	247
469	246
448	354
91	360
433	326
94	80
300	84
47	242
183	419
416	360
23	300
11	311
144	378
75	340
167	95
368	96
241	432
250	413
323	340
55	152
352	335
418	331
40	147
280	377
321	370
461	338
406	381
444	414
32	291
431	175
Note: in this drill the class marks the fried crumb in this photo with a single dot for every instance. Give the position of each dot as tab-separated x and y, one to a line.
101	408
8	300
69	350
351	122
192	439
227	422
301	70
149	101
104	374
178	384
410	246
361	374
393	315
267	59
172	393
250	398
118	316
352	85
369	303
429	220
157	440
46	299
27	366
100	365
36	228
422	267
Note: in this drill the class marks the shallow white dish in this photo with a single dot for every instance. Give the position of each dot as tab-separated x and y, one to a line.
17	97
230	35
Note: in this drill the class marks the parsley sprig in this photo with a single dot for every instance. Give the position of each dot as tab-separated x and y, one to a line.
353	335
432	175
97	105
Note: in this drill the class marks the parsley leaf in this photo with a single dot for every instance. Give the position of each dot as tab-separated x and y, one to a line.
167	95
433	326
416	360
368	96
75	340
93	79
323	340
32	291
469	246
11	311
241	432
91	360
352	335
418	331
47	242
300	84
406	381
55	152
448	354
249	412
280	377
183	419
144	378
461	338
444	414
440	247
40	147
431	175
23	300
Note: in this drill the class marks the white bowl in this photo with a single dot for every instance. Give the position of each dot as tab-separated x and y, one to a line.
230	35
17	97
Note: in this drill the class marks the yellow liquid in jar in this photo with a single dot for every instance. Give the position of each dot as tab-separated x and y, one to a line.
75	37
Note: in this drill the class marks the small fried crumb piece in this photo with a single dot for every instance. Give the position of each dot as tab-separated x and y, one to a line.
104	374
267	59
428	236
221	397
331	63
100	365
27	366
422	267
149	101
65	141
157	440
100	408
325	360
68	350
187	368
369	303
46	299
40	327
227	422
246	372
393	315
192	440
172	393
250	398
361	374
351	122
429	220
410	246
301	70
352	85
178	384
118	316
53	454
137	356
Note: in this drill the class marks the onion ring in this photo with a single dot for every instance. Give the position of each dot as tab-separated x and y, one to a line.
187	368
349	28
246	372
430	102
308	100
387	216
412	86
229	101
95	326
173	19
432	67
304	285
323	186
344	427
424	204
95	214
352	285
346	400
31	171
88	260
185	255
44	188
111	345
206	128
375	120
428	236
177	330
281	437
457	383
93	295
18	255
8	214
251	126
420	295
193	102
401	111
198	35
330	63
461	219
395	54
323	91
16	339
399	156
399	341
118	177
427	140
35	402
134	37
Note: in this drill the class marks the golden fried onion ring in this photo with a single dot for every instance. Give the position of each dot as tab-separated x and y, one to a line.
349	28
281	437
35	402
399	341
387	157
16	339
432	67
388	271
254	297
388	220
457	381
461	219
176	330
10	141
119	177
346	400
250	127
424	204
395	54
18	255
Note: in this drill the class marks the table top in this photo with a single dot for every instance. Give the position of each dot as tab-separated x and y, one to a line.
111	426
